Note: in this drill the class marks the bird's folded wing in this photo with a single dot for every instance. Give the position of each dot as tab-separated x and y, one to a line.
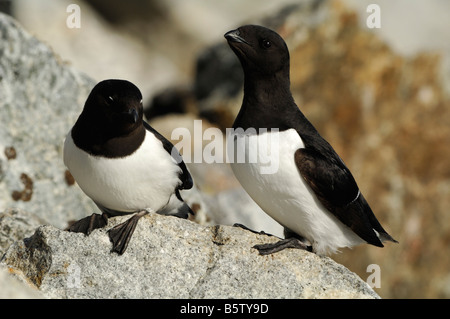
185	176
336	189
329	178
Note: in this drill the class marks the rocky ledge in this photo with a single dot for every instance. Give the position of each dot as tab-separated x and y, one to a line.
170	257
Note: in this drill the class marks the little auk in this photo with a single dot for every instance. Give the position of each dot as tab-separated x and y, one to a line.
122	163
312	194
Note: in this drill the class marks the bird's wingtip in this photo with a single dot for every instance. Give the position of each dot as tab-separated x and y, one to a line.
386	237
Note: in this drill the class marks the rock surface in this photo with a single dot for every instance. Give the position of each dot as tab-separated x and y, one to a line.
14	288
15	224
40	100
174	258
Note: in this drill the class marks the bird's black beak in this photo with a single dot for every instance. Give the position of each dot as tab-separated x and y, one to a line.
132	115
235	36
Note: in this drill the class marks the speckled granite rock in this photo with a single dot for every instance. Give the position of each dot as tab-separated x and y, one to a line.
41	99
173	258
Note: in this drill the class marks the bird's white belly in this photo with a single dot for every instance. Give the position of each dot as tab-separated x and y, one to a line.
283	193
144	180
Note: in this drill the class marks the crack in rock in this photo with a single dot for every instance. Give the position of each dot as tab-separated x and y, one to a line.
215	255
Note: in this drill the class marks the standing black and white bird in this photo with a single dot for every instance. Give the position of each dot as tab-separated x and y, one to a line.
312	193
122	163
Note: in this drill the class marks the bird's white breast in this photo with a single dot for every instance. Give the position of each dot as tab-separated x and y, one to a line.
283	193
145	179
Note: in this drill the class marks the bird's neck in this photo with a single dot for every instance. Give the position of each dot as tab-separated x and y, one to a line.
267	99
267	90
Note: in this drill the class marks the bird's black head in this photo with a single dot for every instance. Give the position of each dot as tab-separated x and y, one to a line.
111	123
115	105
260	50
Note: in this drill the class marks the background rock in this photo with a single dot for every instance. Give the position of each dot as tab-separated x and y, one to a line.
174	258
41	99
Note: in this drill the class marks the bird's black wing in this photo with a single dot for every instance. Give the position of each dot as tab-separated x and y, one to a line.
336	189
185	176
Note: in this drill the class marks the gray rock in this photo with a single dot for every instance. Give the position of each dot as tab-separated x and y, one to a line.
41	99
15	288
174	258
15	225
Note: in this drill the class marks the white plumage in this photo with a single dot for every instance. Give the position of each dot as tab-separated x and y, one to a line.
143	180
284	195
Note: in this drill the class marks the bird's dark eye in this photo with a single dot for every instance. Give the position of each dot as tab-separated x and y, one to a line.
265	43
109	100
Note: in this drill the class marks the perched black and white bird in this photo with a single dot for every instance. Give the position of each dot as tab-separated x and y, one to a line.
122	163
311	193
